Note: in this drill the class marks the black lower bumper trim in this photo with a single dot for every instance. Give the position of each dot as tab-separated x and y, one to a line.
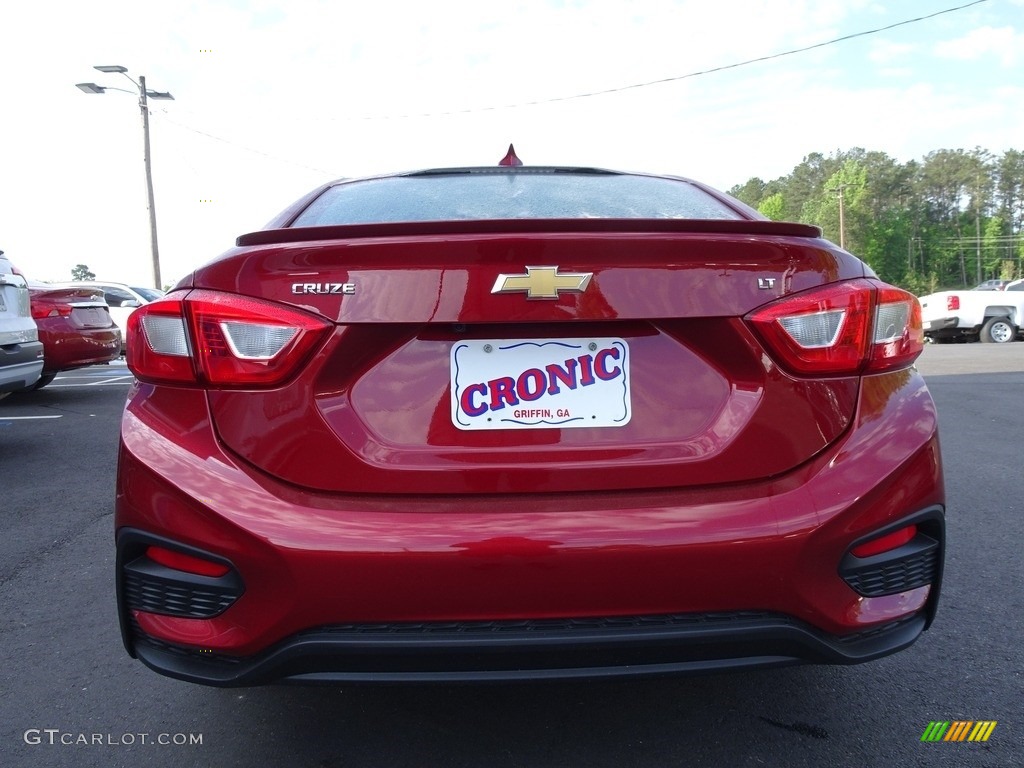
494	651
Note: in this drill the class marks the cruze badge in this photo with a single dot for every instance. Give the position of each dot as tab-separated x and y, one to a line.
348	289
542	282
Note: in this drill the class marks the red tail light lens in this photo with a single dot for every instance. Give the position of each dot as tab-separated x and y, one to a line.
220	340
41	310
898	331
885	543
857	326
952	303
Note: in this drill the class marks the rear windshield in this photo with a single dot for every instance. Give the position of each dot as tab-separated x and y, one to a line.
447	196
151	294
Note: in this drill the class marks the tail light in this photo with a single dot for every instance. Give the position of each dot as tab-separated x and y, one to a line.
847	328
207	338
40	310
952	303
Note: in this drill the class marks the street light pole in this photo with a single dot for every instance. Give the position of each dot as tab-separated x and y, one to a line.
144	96
842	218
144	106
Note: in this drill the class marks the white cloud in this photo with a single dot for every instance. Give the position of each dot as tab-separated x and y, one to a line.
1004	43
886	52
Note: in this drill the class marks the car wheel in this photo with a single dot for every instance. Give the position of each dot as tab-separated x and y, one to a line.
998	330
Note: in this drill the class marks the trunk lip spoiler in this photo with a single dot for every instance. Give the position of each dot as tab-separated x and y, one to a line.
528	226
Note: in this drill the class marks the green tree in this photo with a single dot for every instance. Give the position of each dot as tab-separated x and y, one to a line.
774	207
1010	190
928	224
751	193
82	272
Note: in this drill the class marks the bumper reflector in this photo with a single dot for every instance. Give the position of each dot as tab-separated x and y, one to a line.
885	543
902	569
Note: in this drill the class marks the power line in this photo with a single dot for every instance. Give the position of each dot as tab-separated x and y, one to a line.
163	115
662	81
589	94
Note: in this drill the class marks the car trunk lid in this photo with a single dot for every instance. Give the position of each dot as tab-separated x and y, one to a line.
85	307
441	375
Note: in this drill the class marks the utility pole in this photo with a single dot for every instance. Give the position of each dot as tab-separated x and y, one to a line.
842	215
144	96
144	106
977	224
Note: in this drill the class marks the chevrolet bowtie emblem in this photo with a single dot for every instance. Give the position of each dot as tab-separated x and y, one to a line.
542	282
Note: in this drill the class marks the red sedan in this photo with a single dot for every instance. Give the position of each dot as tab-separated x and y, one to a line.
525	422
75	328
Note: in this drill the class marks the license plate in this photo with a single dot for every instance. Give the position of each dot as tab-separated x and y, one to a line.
92	317
540	383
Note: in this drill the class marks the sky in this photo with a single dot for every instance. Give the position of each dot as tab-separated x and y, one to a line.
272	99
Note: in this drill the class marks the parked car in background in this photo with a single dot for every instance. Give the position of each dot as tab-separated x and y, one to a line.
75	328
991	285
992	317
525	422
21	352
121	298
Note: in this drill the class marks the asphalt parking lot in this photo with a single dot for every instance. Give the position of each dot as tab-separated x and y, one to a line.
69	695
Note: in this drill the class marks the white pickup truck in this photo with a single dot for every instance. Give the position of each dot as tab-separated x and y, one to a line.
992	316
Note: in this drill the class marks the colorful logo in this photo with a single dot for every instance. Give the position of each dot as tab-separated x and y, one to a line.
959	730
540	384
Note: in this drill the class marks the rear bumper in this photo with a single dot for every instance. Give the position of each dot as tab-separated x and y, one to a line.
533	650
20	365
69	347
941	324
341	587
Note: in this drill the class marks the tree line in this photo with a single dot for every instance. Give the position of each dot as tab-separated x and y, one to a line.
950	220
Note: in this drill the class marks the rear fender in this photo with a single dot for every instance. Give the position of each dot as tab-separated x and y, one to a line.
1003	311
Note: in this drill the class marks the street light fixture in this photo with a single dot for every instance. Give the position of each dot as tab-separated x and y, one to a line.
144	95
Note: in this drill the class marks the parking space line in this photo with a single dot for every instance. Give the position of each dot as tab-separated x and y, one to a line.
116	379
92	380
26	418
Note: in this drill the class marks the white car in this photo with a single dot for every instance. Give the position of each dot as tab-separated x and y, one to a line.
123	299
21	352
991	316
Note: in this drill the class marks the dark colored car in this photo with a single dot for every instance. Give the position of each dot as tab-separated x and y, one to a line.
75	328
525	422
991	285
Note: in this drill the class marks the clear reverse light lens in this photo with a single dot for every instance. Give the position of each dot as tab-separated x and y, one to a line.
816	330
166	335
251	341
891	322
